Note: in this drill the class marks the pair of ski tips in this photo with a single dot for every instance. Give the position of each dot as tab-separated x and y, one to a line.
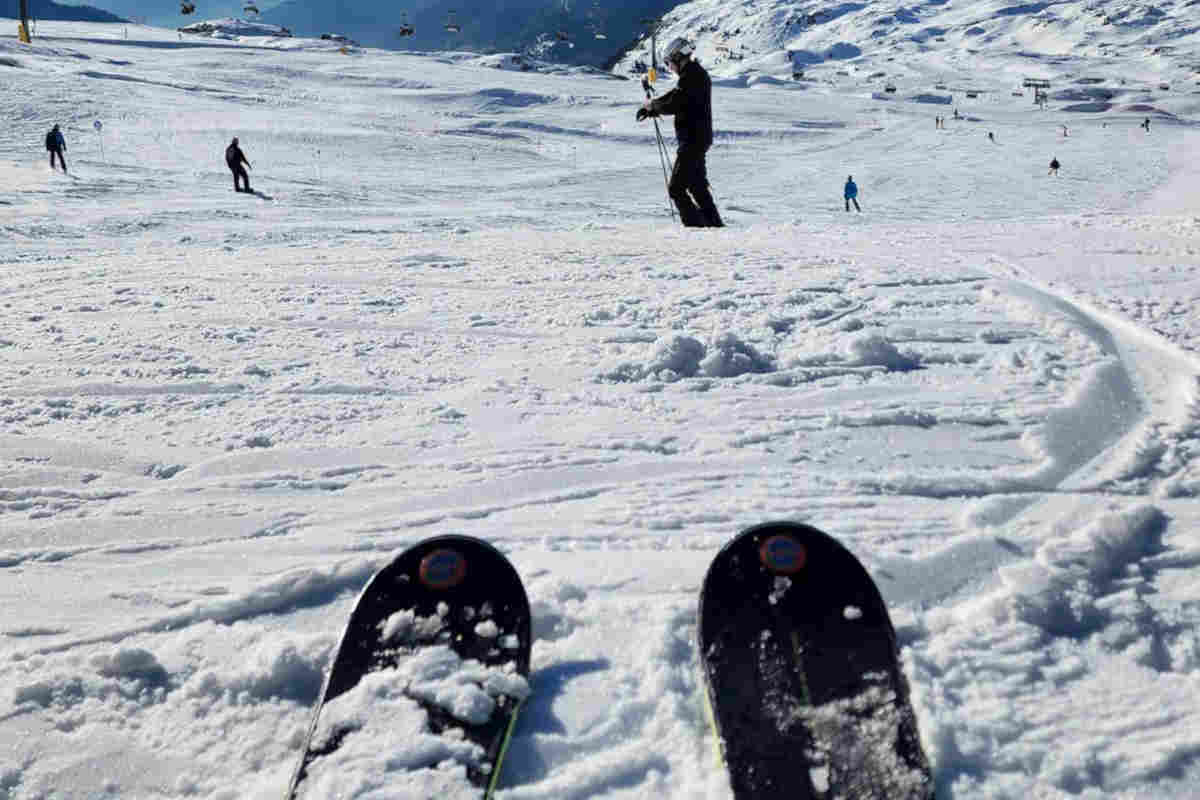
797	653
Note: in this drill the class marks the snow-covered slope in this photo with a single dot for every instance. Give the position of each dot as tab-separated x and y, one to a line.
990	45
457	303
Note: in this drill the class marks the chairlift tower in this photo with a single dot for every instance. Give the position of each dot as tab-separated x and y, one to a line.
1039	86
653	24
24	12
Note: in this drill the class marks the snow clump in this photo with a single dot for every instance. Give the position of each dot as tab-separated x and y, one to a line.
676	357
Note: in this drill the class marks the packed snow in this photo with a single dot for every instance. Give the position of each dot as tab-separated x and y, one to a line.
456	303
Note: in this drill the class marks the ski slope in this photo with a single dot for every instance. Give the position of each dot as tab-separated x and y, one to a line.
457	303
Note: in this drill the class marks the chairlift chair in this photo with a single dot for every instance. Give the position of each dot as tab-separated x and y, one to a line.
405	28
250	8
187	8
452	24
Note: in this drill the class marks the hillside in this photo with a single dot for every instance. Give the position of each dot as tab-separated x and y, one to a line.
48	9
593	33
920	45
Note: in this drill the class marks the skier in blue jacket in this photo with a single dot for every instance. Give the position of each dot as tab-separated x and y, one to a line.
851	193
56	145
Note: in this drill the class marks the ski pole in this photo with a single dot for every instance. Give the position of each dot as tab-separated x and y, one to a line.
662	151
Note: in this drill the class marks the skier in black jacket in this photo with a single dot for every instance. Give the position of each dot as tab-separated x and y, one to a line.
691	104
234	158
55	143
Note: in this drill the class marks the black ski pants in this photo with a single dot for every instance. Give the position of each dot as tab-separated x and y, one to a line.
61	160
689	189
239	172
854	200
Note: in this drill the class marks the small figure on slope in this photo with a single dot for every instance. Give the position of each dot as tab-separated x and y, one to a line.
851	193
1054	165
691	104
56	145
234	157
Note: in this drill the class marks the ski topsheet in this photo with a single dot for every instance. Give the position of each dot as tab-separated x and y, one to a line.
427	682
801	669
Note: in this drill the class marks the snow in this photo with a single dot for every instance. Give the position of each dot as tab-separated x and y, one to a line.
458	305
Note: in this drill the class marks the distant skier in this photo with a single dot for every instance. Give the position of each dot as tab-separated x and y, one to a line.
851	193
234	157
690	102
56	144
991	137
1146	124
1054	165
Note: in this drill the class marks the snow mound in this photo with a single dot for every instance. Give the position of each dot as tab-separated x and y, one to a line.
675	357
230	27
874	350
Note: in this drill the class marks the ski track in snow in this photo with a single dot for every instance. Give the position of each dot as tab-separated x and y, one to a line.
464	310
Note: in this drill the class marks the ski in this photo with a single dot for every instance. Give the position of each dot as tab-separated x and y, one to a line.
426	685
802	675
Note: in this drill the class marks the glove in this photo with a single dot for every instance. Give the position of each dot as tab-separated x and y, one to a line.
642	113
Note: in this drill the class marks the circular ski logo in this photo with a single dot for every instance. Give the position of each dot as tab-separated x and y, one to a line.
442	569
783	555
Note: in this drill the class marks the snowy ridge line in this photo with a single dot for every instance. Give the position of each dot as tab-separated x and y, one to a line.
297	588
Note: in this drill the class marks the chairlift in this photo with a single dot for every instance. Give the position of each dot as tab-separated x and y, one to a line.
250	8
600	35
452	24
563	35
405	28
186	8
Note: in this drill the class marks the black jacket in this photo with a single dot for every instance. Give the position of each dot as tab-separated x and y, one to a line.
234	156
691	104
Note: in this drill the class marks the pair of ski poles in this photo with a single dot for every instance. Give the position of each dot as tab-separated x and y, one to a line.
663	158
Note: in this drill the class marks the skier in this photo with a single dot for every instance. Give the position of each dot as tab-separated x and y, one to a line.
234	157
851	193
991	137
691	104
1146	124
1054	165
56	145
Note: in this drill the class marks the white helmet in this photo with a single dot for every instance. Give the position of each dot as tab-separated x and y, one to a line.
677	49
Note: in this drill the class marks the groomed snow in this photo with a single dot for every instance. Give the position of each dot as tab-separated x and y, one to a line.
457	304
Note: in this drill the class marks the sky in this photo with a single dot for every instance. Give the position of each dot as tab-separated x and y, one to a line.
457	303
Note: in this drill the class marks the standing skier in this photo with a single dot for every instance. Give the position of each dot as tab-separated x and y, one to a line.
691	104
1054	165
850	193
56	145
234	157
